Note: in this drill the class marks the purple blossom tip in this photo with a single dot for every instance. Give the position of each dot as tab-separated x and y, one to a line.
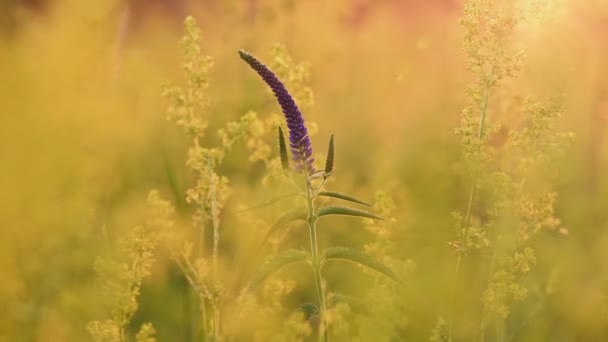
298	134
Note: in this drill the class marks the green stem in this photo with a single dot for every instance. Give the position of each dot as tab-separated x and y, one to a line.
316	265
467	221
216	321
203	319
216	239
214	220
482	120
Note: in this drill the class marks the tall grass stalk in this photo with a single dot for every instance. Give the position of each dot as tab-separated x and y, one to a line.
484	43
467	221
502	167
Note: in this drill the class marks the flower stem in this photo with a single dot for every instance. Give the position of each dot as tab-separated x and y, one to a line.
316	265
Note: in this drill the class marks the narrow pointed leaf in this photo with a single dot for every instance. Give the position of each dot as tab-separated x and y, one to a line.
265	204
329	162
295	215
340	210
357	257
173	182
274	263
342	196
353	302
283	152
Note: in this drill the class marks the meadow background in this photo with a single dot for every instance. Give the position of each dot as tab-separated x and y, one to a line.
84	138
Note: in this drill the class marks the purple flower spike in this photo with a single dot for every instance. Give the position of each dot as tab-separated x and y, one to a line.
298	134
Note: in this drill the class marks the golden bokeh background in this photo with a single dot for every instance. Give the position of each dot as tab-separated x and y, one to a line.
83	139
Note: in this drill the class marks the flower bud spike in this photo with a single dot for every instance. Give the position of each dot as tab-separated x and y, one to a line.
329	162
283	152
298	134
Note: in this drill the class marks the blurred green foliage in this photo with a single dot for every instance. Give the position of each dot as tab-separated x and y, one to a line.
83	139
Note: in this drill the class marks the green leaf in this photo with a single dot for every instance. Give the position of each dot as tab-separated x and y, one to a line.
353	302
294	215
357	257
173	182
342	196
270	202
274	263
340	210
283	152
329	162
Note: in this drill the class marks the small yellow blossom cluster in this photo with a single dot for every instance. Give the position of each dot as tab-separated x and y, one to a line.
253	321
383	246
339	318
539	139
381	229
503	287
195	268
146	333
528	153
383	315
121	280
276	289
187	104
488	25
538	214
440	333
295	76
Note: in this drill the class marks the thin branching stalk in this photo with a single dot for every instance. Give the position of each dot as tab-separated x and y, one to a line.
189	272
482	121
467	221
203	316
205	292
199	288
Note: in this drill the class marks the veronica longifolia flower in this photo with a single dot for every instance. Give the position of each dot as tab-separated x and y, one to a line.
298	134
